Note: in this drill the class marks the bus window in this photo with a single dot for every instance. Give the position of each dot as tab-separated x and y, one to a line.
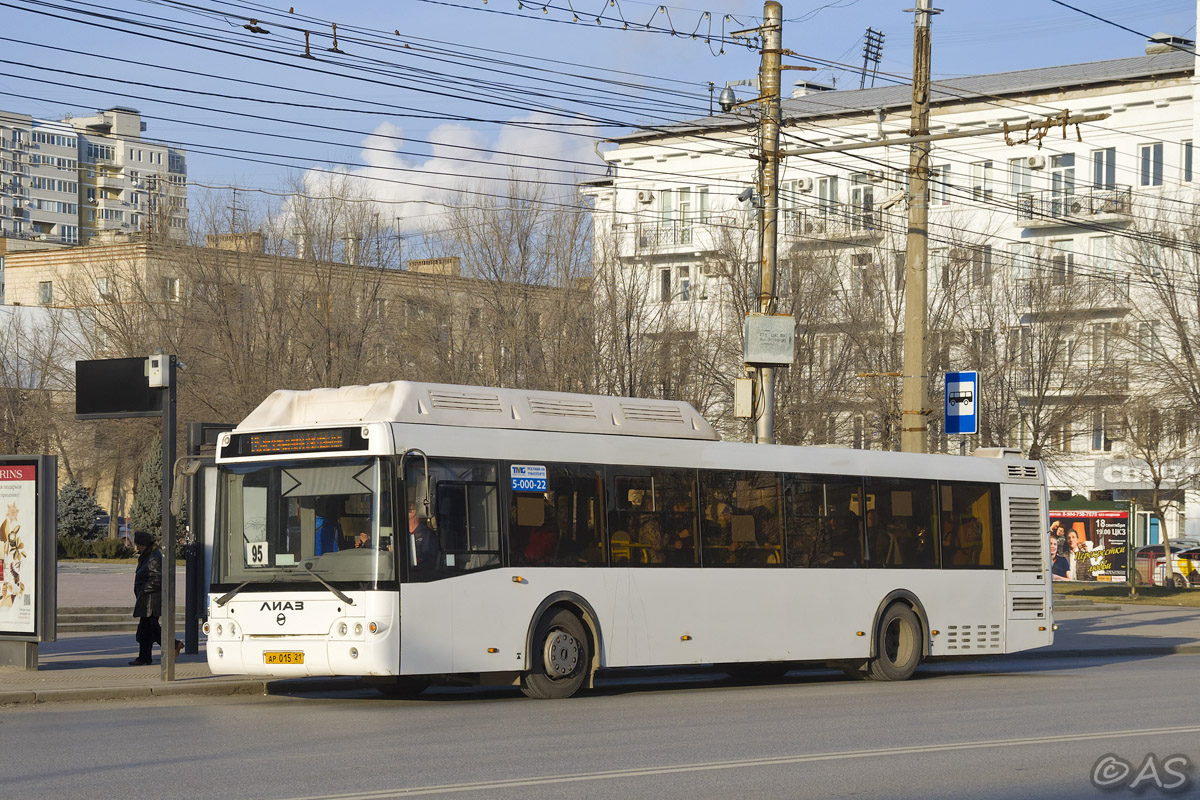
741	523
824	521
901	523
971	533
652	517
561	526
464	517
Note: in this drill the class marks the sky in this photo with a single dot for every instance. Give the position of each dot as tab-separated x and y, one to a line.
427	96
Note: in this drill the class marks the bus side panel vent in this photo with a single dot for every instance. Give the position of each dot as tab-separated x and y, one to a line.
562	408
1036	605
1026	516
647	413
1023	472
973	637
466	401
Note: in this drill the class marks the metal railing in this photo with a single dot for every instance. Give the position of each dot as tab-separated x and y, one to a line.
1051	205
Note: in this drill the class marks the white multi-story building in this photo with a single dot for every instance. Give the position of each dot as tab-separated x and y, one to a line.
1062	265
67	180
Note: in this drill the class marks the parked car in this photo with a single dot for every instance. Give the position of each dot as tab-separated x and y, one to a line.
1151	569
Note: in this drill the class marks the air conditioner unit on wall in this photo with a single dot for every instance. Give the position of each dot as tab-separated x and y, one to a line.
875	176
814	226
1075	207
1036	162
645	196
804	185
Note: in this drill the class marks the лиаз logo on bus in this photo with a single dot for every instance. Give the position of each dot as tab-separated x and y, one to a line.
528	478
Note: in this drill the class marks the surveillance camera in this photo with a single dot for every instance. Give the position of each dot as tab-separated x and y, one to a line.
745	195
727	100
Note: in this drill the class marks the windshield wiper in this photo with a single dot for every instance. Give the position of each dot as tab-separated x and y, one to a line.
340	594
225	598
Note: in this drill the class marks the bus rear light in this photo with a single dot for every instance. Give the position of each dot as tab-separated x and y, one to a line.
373	627
232	629
354	652
1054	627
861	633
1041	627
493	649
935	633
358	629
218	629
220	653
206	629
518	579
685	638
342	629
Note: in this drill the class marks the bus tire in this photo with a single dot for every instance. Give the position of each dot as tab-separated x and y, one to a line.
399	687
560	659
1179	581
897	645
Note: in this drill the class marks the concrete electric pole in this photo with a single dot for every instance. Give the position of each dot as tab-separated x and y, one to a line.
768	190
914	397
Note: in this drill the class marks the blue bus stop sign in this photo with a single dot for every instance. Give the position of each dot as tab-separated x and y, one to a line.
962	400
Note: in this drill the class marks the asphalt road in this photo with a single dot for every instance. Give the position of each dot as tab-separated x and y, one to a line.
1015	728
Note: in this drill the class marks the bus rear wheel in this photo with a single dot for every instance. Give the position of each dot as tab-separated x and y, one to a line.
561	657
897	645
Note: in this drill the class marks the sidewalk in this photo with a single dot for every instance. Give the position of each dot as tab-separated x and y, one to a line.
95	666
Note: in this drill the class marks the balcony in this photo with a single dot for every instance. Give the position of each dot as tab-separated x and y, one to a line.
839	224
698	234
1048	209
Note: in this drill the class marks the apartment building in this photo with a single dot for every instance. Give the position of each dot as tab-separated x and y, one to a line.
64	181
1050	247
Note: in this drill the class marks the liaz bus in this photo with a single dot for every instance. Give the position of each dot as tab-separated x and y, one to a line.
414	532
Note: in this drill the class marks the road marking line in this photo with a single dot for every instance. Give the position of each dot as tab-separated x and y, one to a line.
512	783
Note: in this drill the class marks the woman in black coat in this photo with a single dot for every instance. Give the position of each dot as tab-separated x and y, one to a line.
147	593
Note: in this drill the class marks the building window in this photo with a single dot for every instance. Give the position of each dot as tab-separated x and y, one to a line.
1104	168
1062	261
1150	157
1062	183
827	195
171	289
1186	162
685	283
981	180
981	265
45	293
939	185
104	288
664	285
1020	177
1148	345
1101	342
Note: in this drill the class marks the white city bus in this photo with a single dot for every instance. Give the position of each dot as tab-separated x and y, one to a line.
415	532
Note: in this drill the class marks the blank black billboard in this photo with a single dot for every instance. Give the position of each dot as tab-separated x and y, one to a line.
115	387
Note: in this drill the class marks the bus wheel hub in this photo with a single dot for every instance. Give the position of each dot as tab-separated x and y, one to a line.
561	655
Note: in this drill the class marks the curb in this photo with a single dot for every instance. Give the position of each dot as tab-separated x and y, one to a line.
201	688
230	688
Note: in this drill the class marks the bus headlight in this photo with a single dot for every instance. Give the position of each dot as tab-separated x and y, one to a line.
205	629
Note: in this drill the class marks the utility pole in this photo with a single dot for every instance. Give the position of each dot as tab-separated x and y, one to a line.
768	190
914	397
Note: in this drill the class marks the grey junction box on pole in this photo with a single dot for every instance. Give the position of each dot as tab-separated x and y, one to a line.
770	340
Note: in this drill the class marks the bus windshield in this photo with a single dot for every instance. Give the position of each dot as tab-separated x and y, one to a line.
305	521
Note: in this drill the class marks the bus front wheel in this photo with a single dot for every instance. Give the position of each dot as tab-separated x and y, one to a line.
560	659
897	645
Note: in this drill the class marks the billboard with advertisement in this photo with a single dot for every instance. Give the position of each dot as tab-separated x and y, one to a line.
1091	544
27	557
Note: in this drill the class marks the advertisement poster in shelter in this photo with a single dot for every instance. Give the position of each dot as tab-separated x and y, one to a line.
1091	544
18	543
